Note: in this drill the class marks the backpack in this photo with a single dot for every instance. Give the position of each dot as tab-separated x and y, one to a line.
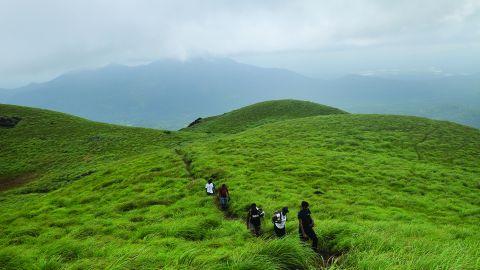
277	217
256	213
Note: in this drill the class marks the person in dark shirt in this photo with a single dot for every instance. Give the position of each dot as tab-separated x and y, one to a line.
305	225
254	219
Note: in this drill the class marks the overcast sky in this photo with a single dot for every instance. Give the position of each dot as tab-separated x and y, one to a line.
41	39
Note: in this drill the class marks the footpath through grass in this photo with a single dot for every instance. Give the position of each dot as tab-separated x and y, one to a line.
110	197
387	192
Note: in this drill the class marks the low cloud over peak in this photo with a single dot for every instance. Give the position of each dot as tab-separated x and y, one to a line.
42	38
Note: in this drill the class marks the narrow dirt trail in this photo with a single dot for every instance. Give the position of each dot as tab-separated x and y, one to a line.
328	257
228	213
424	139
187	161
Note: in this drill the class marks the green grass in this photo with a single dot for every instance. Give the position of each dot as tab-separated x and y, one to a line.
261	113
387	192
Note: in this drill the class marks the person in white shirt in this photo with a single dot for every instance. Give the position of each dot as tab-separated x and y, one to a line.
279	221
210	187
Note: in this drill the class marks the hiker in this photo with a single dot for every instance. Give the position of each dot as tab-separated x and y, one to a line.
224	196
254	219
279	219
210	187
305	225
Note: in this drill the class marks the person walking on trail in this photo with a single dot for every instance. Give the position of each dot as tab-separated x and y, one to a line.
254	219
279	219
305	225
210	187
224	196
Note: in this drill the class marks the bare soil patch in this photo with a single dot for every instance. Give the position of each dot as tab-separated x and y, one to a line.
12	182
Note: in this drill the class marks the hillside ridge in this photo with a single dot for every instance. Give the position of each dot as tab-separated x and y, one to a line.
260	113
385	191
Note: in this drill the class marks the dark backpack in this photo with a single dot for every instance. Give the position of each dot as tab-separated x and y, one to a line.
277	217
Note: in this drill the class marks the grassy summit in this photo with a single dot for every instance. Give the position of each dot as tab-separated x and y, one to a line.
262	113
386	192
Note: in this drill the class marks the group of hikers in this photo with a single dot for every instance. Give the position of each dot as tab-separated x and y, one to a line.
223	195
279	218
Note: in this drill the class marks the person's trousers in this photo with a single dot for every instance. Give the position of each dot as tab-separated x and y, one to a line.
223	201
279	232
311	235
255	228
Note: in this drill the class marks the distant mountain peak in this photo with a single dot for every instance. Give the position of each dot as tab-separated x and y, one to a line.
170	93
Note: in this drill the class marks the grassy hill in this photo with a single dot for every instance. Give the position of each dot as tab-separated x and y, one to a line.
386	192
44	141
261	113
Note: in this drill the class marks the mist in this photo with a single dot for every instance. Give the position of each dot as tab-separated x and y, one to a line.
44	39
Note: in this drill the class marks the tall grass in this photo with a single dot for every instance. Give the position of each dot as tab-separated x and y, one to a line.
383	194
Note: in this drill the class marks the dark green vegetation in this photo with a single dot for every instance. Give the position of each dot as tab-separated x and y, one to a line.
9	122
260	114
387	192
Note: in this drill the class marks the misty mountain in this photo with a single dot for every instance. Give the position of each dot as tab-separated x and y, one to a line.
169	94
454	98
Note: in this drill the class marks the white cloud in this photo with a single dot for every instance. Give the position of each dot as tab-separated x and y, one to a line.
42	38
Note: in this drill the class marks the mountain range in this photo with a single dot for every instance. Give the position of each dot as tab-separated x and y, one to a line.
170	94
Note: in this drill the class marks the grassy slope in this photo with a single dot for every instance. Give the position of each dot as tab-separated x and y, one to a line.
393	192
389	192
115	197
261	113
